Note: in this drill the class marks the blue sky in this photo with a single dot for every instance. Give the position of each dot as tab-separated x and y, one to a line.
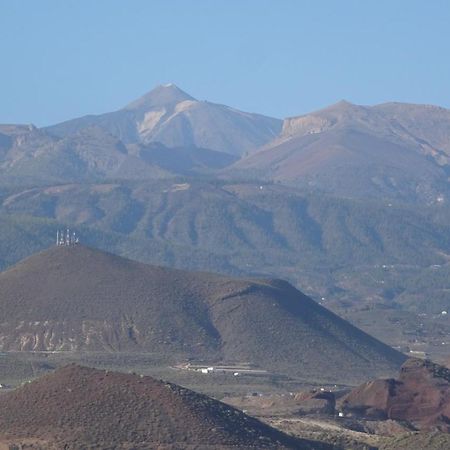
61	59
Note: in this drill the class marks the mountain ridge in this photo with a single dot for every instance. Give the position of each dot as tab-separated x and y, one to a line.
161	95
392	150
173	118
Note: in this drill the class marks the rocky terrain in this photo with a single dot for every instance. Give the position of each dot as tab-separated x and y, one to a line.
409	412
169	116
420	395
78	407
162	134
391	151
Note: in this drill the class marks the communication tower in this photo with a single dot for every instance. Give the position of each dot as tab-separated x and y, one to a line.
66	239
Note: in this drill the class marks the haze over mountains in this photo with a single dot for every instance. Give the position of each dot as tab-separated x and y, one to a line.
163	133
397	151
349	203
175	119
391	151
79	299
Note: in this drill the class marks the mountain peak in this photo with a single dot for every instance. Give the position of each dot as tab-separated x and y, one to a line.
343	105
163	95
344	102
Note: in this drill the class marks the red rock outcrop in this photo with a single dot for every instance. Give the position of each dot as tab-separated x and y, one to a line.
421	395
315	402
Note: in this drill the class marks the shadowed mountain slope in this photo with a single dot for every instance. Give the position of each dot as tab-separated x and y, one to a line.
170	116
35	157
386	151
78	407
77	298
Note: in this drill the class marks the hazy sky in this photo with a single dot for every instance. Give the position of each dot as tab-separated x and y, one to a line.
61	58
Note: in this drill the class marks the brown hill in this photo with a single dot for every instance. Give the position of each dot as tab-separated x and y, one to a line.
77	298
420	395
78	407
316	241
394	150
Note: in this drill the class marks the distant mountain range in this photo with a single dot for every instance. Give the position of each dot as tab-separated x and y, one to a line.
80	299
391	151
169	116
350	203
164	133
397	151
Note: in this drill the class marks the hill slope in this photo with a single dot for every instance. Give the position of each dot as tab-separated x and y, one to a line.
421	395
317	241
394	150
78	407
77	298
170	116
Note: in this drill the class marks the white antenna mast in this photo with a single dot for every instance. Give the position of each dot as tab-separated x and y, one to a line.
67	238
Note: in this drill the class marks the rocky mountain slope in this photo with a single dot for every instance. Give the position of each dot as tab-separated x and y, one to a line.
420	395
396	151
78	407
35	157
164	133
77	298
169	116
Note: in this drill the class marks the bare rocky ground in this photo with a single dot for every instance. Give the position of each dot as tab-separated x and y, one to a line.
77	407
410	411
286	404
344	433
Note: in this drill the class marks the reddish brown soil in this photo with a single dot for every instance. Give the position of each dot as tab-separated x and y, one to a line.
78	407
316	402
420	395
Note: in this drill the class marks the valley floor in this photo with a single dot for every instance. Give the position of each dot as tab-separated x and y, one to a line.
258	394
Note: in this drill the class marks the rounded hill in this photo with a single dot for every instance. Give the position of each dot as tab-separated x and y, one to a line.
81	299
78	407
